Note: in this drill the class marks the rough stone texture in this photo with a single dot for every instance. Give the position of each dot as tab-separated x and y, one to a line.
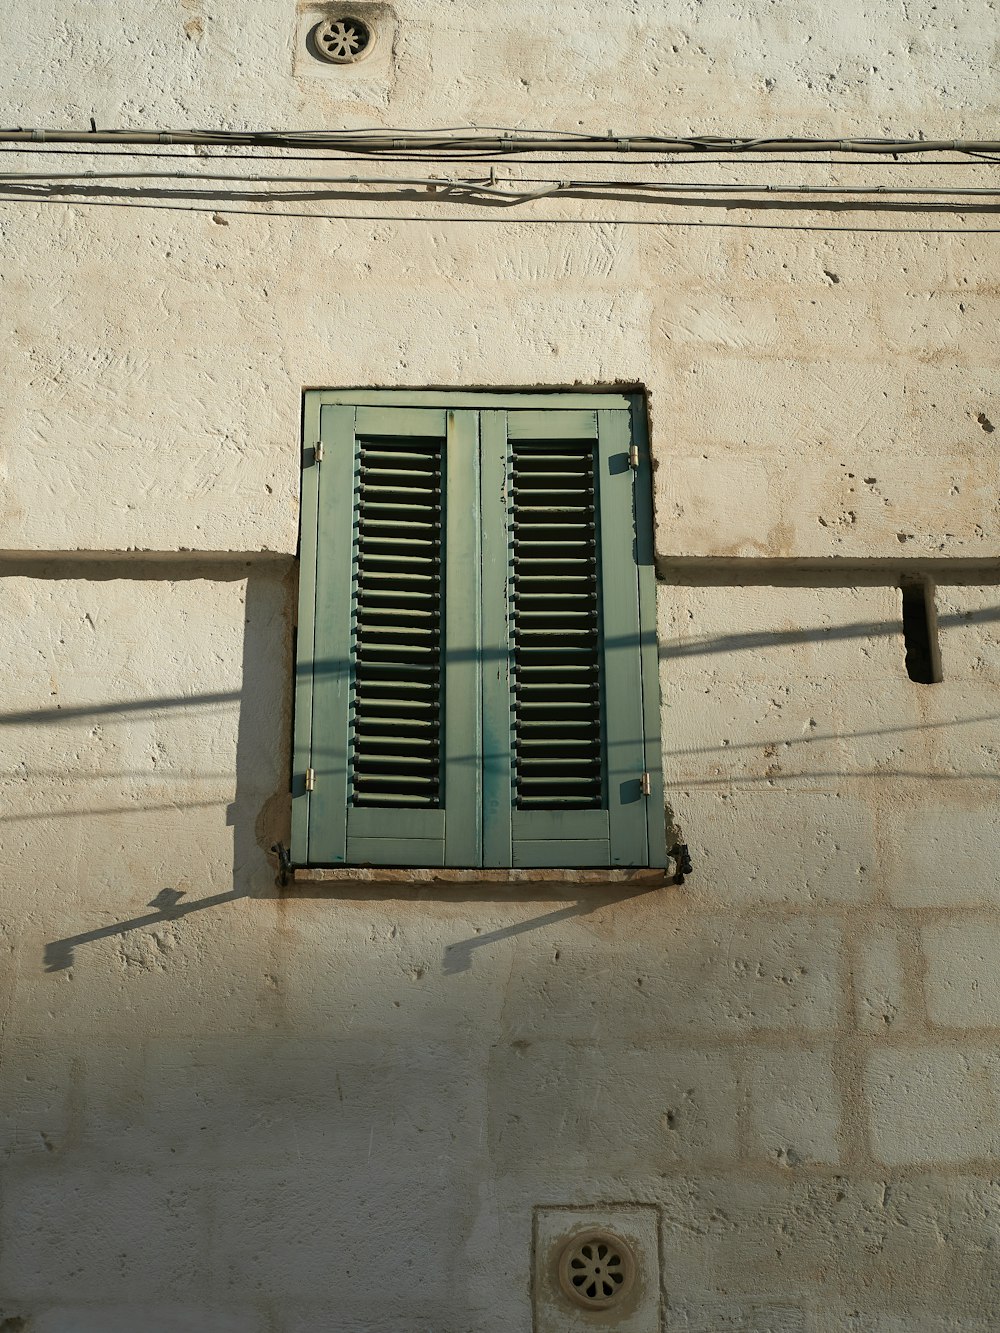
172	1318
338	1108
778	349
760	457
795	1106
746	1244
933	1104
852	1321
960	977
882	1001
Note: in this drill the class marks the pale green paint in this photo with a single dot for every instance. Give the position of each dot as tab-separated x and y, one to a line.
561	852
535	824
305	645
622	676
462	617
655	801
497	665
552	425
424	423
470	398
395	851
369	821
558	425
332	670
399	825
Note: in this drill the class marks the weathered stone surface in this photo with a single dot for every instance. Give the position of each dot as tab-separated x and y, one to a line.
960	976
939	841
337	1109
819	1242
173	1318
80	1232
934	1104
738	1317
851	1321
881	996
631	1109
969	625
795	1107
720	976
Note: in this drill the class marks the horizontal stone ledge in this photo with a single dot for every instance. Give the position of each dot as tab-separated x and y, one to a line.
138	564
823	571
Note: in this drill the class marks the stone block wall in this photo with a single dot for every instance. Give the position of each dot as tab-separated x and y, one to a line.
229	1109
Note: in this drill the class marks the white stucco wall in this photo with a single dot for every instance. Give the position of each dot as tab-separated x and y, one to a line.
232	1111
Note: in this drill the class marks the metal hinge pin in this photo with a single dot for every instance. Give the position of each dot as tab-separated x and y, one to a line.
310	779
633	456
645	784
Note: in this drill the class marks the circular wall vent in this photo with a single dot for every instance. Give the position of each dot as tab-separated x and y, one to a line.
596	1270
343	40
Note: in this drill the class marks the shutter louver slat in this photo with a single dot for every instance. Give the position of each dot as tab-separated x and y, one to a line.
396	717
556	697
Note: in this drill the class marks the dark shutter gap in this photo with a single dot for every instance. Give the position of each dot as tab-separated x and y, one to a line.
397	626
557	700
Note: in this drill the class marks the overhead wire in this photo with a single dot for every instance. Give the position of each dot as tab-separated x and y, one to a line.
973	160
486	146
508	190
456	141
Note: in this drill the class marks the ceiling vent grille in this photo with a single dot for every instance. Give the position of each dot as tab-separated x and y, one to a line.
344	40
597	1270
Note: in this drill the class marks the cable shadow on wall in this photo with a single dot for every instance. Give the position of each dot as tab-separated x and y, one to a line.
754	640
464	193
263	739
256	812
458	956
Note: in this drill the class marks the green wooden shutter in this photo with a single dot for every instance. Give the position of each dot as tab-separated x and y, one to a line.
390	744
570	691
477	675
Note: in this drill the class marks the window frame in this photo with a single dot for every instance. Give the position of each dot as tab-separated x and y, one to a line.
324	592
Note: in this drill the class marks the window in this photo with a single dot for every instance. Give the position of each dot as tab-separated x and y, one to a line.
476	676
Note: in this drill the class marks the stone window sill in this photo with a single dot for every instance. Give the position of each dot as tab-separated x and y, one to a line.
356	876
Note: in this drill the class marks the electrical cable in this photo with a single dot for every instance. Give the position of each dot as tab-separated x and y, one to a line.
456	141
973	160
491	186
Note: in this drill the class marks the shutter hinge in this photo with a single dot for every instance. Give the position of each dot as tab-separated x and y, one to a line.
310	779
284	862
633	456
318	451
682	858
645	784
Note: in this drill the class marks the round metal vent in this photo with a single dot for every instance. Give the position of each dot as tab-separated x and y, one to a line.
596	1270
343	40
